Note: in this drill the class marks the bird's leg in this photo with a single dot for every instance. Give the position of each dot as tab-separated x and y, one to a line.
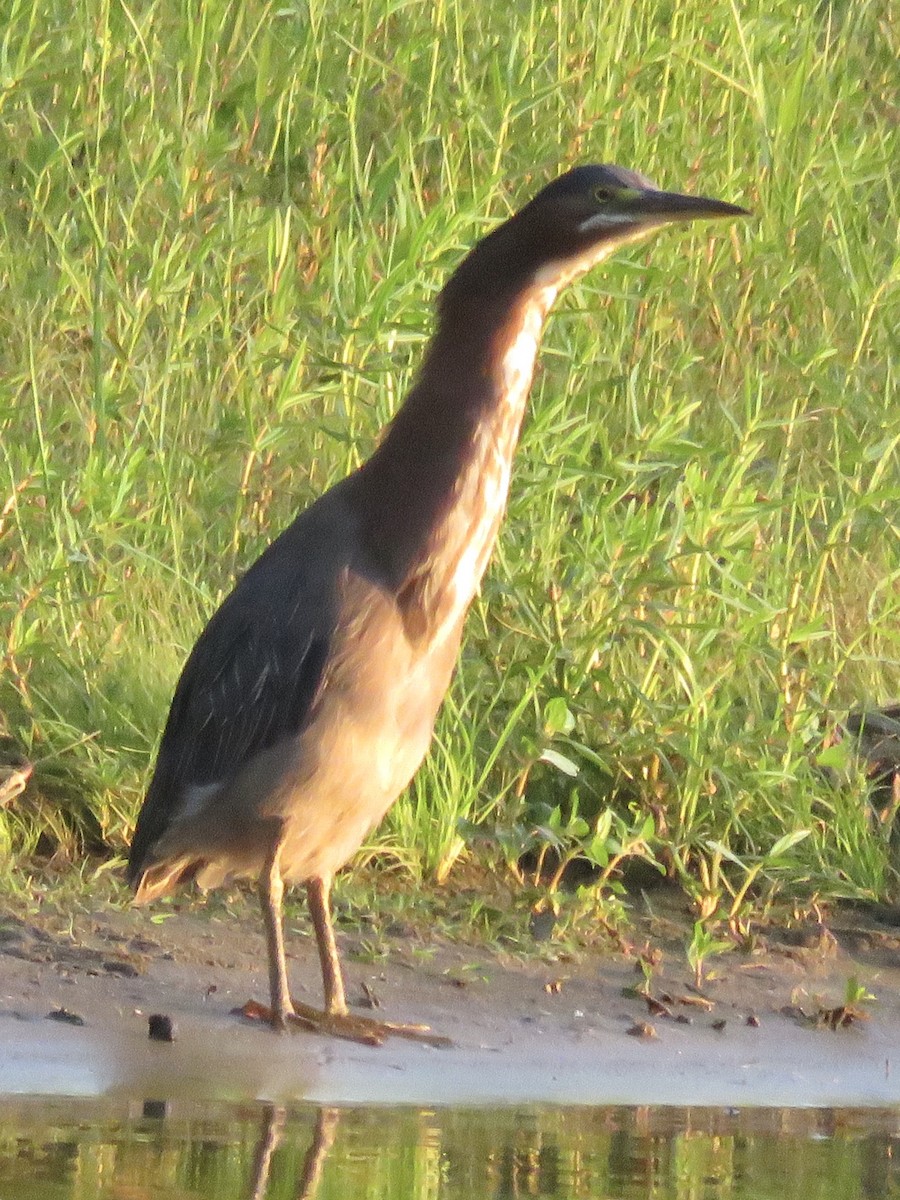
336	1019
271	891
318	895
284	1011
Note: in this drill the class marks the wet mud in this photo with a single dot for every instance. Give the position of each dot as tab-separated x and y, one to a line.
76	1004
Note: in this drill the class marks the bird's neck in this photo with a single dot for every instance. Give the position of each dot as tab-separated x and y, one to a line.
437	485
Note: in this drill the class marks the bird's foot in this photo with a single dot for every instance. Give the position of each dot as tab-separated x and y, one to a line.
343	1025
362	1029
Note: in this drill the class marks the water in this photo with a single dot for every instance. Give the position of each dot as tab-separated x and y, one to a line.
90	1150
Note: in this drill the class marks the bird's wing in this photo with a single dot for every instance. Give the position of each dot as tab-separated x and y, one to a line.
247	685
251	680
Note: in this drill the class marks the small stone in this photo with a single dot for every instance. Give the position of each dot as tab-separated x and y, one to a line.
642	1029
115	966
66	1016
161	1028
542	924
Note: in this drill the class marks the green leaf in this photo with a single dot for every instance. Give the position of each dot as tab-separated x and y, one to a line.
597	851
555	759
603	824
722	850
557	717
808	633
836	757
786	842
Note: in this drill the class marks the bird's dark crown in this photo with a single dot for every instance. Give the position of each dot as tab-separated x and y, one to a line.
587	179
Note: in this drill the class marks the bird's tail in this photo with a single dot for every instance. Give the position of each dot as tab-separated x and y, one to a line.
162	878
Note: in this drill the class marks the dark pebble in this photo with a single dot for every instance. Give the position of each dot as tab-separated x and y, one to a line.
115	966
161	1028
66	1016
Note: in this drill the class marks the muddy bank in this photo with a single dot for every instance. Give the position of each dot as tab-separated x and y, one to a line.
523	1030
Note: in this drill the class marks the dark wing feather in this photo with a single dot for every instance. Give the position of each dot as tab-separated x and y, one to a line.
255	673
245	687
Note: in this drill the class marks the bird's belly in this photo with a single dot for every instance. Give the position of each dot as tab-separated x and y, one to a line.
319	793
363	749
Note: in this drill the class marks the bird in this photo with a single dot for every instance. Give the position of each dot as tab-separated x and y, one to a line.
308	702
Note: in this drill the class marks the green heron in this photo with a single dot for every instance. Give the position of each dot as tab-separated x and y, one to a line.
309	700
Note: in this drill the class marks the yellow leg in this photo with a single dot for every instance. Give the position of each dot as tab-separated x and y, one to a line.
318	895
336	1019
271	892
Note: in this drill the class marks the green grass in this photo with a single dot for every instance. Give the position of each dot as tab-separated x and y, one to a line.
223	226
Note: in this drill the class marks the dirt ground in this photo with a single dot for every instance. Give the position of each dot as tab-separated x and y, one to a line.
541	1027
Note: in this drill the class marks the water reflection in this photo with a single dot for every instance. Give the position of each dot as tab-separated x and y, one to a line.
90	1151
273	1123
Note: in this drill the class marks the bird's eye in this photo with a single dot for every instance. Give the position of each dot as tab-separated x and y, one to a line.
603	195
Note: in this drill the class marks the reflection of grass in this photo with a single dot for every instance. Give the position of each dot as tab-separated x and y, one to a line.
384	1152
221	241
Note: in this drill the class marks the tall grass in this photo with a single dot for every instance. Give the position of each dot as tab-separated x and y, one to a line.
223	226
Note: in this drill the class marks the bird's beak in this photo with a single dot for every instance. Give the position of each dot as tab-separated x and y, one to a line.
674	206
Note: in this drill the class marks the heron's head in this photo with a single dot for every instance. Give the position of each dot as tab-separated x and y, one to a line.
590	211
570	225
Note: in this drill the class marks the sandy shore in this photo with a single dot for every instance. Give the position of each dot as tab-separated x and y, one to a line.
523	1031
